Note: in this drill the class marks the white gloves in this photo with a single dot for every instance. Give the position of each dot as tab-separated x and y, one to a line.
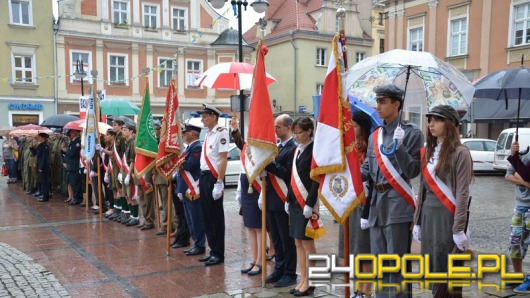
462	241
416	233
217	192
308	211
106	178
120	178
286	206
260	203
179	195
399	135
127	180
84	171
98	147
364	224
92	174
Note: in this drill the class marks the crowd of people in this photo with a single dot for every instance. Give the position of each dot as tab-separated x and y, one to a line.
385	223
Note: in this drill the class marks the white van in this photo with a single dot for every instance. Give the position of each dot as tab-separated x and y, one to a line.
504	142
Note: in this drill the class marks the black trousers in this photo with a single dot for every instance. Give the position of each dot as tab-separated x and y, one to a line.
182	235
213	214
44	181
284	247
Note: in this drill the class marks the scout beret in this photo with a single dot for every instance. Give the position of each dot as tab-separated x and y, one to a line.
446	112
130	125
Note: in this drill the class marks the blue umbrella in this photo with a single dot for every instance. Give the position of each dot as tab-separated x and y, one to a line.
357	105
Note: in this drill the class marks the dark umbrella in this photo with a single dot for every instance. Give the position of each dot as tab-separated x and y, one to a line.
506	84
357	105
58	120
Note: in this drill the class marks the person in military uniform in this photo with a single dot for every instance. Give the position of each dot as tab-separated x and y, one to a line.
110	172
116	151
34	173
43	166
392	204
20	162
147	201
26	169
161	186
56	159
214	158
72	166
188	191
131	207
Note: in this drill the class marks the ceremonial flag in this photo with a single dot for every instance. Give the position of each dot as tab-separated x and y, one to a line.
169	148
261	142
146	145
91	128
336	167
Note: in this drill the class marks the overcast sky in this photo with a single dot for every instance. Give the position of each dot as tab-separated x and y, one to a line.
249	16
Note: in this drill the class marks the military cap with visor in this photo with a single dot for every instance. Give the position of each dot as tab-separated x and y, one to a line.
189	127
391	91
209	109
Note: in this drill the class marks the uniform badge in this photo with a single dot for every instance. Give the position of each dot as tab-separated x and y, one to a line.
223	141
221	128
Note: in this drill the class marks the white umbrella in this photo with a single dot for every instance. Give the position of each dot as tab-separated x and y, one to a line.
230	75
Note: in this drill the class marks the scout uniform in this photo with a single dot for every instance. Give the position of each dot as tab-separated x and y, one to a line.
216	142
128	157
118	147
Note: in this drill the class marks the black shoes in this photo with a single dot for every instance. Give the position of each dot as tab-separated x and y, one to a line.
285	281
204	259
179	245
274	277
251	273
147	227
195	251
307	292
42	199
132	222
74	202
160	233
213	261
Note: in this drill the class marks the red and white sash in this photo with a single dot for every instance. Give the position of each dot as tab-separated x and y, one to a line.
125	167
438	187
193	186
117	157
390	173
279	186
315	226
208	162
257	182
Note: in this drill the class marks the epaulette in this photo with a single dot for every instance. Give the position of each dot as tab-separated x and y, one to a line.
221	128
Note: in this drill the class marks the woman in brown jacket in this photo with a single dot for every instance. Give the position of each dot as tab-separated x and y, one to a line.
447	171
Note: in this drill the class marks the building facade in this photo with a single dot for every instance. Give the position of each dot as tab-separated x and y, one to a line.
478	37
120	38
26	57
298	35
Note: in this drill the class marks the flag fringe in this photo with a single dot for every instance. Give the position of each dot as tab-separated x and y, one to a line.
267	161
145	152
315	234
353	205
317	173
146	169
192	198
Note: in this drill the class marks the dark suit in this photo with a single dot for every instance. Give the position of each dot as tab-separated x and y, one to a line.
192	208
43	166
277	218
72	168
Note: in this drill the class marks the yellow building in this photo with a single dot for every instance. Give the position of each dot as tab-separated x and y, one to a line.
26	57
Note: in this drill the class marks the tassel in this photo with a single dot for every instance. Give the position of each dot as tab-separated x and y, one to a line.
250	189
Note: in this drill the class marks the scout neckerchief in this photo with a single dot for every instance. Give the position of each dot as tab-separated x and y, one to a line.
117	157
438	187
257	182
193	186
208	162
314	228
391	174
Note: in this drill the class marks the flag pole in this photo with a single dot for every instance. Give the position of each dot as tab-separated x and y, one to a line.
87	183
168	216
94	74
263	231
157	206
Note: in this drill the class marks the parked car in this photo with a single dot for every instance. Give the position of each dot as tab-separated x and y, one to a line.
482	152
504	143
233	167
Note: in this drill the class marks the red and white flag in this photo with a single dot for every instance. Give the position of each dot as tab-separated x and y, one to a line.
170	144
335	158
261	146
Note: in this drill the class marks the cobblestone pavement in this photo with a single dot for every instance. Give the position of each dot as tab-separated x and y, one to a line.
93	258
21	277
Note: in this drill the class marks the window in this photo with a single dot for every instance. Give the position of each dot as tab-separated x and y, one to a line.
120	12
179	19
166	71
381	45
150	14
117	69
23	69
415	115
321	57
380	20
234	154
193	72
337	23
20	12
521	24
359	56
475	145
320	87
458	37
416	39
81	56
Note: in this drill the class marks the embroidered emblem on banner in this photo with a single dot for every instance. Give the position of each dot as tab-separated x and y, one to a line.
338	185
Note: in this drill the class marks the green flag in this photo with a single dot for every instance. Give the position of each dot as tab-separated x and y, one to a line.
146	145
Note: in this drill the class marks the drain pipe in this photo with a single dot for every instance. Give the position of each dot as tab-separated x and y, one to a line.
55	71
294	68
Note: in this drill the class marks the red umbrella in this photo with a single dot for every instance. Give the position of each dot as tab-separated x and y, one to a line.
75	125
231	75
29	130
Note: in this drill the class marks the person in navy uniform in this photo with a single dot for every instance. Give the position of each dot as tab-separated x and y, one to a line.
391	208
43	166
214	158
72	166
192	207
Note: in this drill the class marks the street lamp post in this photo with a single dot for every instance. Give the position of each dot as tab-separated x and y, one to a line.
259	6
80	73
